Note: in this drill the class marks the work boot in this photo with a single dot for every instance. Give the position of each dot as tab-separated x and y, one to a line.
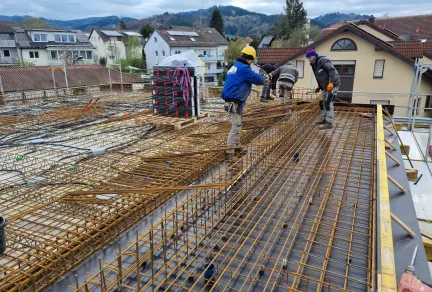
263	100
321	122
270	98
325	126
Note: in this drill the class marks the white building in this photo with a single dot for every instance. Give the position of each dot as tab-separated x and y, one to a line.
116	44
207	43
45	47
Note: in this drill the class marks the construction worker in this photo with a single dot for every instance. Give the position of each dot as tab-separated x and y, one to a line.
328	81
238	84
265	94
287	76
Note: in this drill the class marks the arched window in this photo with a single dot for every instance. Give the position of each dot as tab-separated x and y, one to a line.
344	45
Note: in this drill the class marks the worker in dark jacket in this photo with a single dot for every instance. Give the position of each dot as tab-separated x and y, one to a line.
265	70
328	81
287	76
238	84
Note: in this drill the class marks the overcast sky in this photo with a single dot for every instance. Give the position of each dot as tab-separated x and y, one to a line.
74	9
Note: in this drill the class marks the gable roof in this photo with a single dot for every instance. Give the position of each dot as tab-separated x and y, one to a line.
385	32
417	26
361	33
327	31
40	77
275	55
412	49
207	37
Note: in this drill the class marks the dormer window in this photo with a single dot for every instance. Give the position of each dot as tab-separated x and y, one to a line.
40	37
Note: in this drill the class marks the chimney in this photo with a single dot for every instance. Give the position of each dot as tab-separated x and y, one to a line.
372	19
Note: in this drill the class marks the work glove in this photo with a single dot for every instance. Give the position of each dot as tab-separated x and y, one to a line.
317	90
330	86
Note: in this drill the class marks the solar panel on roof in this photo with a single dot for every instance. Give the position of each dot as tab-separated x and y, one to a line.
131	33
174	33
190	33
111	33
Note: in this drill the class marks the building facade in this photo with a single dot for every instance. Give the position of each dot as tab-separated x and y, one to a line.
114	45
207	43
372	70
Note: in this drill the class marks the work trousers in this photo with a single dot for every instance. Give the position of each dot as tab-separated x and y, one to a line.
236	125
326	104
285	91
265	91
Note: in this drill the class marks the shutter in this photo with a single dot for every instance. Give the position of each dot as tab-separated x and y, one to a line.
379	68
300	68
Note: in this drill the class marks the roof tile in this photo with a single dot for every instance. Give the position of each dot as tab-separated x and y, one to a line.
417	26
275	55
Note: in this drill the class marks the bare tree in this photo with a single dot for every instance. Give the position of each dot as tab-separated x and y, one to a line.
113	51
67	56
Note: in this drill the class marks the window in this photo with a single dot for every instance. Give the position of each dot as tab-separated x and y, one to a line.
40	37
208	66
71	38
205	53
6	53
209	79
157	53
383	102
34	55
155	39
64	38
345	69
54	55
163	53
82	54
300	68
177	52
344	45
89	55
428	105
57	38
192	39
379	69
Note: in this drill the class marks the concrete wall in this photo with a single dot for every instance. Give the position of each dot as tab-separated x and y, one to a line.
396	79
157	44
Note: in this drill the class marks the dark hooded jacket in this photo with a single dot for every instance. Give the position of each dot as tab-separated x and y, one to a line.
325	72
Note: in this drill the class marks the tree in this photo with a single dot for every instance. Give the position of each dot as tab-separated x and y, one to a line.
299	38
32	22
295	17
134	47
147	30
217	21
254	42
234	51
314	30
113	51
122	25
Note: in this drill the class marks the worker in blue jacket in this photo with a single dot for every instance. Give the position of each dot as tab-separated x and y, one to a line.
238	84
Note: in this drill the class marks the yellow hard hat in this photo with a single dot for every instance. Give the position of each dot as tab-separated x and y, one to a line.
248	50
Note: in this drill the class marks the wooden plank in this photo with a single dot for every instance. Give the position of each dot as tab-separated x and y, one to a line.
412	174
393	158
403	225
426	234
387	276
397	184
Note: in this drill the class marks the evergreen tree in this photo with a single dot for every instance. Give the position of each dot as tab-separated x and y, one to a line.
295	18
147	30
217	21
122	25
254	42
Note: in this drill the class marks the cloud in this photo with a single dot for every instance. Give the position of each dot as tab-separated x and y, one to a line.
75	9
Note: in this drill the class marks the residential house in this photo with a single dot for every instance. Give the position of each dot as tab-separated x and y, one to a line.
8	50
207	43
415	27
115	44
375	66
54	47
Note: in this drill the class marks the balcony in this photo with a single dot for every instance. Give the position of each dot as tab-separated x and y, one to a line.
7	44
8	60
214	71
212	58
